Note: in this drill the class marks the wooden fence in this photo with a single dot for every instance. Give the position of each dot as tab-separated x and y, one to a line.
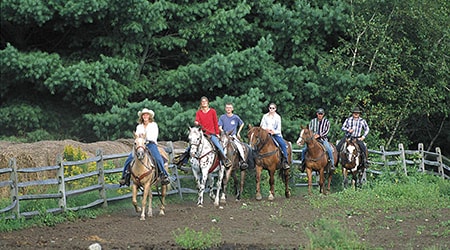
428	162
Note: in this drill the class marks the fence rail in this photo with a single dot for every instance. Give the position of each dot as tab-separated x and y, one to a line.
428	162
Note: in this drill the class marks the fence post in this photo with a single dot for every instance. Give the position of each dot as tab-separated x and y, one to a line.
441	164
383	156
62	184
422	158
402	155
101	178
14	186
174	167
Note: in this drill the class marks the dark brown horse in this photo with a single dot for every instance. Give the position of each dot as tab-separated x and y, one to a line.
352	161
230	146
268	156
317	159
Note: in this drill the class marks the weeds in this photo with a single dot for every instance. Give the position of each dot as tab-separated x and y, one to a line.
191	239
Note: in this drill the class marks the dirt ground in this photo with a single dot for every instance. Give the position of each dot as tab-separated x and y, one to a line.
247	224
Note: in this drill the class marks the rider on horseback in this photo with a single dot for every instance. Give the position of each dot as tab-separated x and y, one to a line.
148	127
353	127
233	124
271	122
320	126
206	117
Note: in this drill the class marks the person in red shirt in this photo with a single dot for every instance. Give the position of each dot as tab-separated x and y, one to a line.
206	118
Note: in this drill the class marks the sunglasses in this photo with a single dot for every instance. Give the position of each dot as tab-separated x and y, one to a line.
271	107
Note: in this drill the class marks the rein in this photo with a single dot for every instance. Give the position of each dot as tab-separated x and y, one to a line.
259	147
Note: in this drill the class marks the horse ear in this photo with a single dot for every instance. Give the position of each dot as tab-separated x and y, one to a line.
250	126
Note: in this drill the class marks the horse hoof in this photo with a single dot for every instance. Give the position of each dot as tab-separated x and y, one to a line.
142	218
258	197
288	195
271	198
199	205
161	213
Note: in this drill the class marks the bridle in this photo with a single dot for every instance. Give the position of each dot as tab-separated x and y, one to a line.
199	146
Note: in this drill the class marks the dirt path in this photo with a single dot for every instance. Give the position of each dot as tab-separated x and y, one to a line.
243	225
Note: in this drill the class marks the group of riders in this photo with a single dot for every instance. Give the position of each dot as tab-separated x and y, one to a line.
232	124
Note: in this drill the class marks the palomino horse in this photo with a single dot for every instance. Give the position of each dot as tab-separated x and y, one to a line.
317	159
230	147
205	161
268	156
352	160
144	173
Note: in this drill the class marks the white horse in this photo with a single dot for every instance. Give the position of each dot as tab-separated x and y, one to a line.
205	161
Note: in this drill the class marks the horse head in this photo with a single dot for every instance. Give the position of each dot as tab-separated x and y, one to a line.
140	145
306	135
195	139
349	154
256	137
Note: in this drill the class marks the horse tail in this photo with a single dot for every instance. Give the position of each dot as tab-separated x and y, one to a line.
251	157
283	173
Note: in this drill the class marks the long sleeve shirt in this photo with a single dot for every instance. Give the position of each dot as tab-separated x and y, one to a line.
151	131
272	122
320	127
208	121
358	125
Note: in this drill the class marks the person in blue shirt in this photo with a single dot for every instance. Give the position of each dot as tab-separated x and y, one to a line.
233	124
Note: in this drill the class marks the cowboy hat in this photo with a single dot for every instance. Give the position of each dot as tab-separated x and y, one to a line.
356	110
146	111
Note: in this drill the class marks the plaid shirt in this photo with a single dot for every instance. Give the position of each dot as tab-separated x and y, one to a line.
358	125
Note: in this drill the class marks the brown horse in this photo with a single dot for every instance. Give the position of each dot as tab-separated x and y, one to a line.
230	146
352	160
268	156
317	159
144	173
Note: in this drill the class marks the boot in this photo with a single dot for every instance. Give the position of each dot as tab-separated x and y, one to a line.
243	165
303	166
165	180
285	164
224	160
125	181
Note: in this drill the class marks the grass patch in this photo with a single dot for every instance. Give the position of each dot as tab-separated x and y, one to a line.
191	239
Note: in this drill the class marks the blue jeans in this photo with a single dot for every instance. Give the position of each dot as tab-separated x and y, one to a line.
216	143
327	147
282	144
153	148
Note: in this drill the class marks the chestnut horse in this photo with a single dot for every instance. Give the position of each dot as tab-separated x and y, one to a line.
144	174
268	156
230	144
317	159
352	160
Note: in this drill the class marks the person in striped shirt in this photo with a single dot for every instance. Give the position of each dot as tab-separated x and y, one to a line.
320	126
353	127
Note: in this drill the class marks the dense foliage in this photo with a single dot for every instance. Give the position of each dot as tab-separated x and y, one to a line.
82	69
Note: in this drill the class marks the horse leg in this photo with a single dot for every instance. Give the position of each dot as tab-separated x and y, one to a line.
144	200
228	173
162	208
287	192
309	174
219	185
344	174
330	175
150	199
258	182
241	186
321	181
134	199
272	185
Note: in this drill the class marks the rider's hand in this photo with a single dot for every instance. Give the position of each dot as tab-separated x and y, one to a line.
361	138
